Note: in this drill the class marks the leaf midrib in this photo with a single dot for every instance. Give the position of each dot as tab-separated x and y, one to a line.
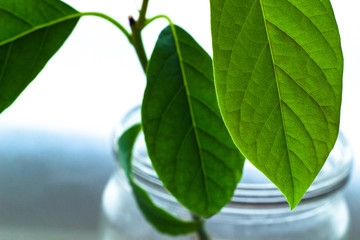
280	99
41	26
177	45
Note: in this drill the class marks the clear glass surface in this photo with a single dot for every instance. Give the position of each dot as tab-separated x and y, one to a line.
257	211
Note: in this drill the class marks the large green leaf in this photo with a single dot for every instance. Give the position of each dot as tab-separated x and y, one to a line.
187	141
160	219
278	72
31	31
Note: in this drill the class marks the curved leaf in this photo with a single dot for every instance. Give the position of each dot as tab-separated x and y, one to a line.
187	141
31	32
278	72
160	219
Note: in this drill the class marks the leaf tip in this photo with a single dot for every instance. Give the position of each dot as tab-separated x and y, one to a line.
294	202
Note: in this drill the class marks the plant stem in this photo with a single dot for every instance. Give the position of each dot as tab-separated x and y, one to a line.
137	42
201	233
136	38
142	15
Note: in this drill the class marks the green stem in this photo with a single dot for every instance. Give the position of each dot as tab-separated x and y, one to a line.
137	42
148	21
201	233
136	38
110	19
142	15
66	18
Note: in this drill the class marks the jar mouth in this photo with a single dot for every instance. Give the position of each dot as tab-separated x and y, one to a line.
254	187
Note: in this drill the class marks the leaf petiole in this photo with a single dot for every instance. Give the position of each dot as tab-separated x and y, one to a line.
201	232
110	19
70	17
148	21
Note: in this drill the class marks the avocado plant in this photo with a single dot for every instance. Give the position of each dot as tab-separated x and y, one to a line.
271	94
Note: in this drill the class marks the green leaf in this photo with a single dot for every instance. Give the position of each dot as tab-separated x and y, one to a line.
278	73
187	141
160	219
31	32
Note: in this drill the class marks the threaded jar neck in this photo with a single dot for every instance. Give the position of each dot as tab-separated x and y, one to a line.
255	195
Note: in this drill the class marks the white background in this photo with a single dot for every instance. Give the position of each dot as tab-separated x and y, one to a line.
95	77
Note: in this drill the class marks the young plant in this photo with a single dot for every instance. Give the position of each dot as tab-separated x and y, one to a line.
272	93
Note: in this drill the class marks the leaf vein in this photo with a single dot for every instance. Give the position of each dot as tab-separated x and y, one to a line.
252	73
54	7
272	111
307	167
8	53
16	16
311	97
313	25
219	161
191	65
238	36
214	138
310	57
166	110
205	105
178	153
297	116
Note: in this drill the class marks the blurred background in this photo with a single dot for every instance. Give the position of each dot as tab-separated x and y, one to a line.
56	139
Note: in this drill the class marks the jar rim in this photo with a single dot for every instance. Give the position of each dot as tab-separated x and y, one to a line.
332	177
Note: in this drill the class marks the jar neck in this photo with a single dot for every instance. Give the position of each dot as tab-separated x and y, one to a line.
254	193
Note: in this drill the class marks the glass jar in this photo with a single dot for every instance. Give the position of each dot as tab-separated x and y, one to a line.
257	211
